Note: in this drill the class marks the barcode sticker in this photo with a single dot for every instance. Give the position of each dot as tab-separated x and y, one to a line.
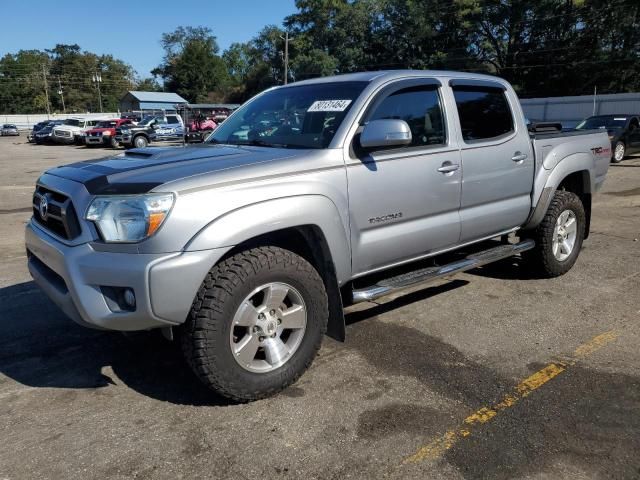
329	106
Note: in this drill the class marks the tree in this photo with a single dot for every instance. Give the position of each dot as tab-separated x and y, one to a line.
191	65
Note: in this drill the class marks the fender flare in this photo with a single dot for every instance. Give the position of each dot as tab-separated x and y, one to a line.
578	162
253	220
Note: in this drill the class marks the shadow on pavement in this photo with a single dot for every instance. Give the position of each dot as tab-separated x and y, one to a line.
584	423
40	347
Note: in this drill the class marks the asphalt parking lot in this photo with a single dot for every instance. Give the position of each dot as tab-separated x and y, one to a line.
488	375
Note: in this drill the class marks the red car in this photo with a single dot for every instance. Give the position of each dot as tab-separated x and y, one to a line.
104	133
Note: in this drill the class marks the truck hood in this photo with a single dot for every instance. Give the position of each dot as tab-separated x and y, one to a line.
141	170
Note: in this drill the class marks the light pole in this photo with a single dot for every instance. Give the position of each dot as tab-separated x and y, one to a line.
286	55
61	93
97	79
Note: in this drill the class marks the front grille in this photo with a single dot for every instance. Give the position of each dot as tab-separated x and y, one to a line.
62	133
59	215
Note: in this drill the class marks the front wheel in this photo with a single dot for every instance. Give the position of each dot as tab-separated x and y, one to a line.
558	237
140	141
256	323
619	151
114	143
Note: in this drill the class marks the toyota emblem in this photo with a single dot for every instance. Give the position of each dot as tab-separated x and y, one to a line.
43	208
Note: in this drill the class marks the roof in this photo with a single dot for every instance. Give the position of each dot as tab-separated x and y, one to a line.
230	106
163	97
395	74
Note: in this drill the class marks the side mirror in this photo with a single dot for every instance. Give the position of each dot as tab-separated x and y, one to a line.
390	132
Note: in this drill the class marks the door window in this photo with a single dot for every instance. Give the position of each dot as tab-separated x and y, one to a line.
484	113
421	108
172	119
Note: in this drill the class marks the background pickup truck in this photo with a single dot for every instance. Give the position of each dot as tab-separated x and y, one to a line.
153	128
104	133
310	197
73	130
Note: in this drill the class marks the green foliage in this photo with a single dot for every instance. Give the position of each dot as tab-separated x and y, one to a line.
192	67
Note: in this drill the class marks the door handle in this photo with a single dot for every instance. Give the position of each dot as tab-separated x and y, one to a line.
518	157
448	167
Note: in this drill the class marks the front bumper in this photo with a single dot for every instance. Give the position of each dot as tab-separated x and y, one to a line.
101	140
74	277
63	140
124	139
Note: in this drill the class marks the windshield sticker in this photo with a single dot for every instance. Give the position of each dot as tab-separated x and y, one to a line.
620	119
329	106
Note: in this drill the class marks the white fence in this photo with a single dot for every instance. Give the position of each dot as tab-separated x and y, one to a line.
26	122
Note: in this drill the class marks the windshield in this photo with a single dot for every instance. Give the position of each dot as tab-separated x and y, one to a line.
107	124
602	122
147	120
73	122
305	116
8	125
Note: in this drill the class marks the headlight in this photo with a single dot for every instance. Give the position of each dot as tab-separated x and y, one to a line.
125	131
106	133
129	218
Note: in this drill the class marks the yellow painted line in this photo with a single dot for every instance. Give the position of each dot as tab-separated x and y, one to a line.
437	447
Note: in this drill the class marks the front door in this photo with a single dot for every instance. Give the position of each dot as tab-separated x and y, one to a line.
404	201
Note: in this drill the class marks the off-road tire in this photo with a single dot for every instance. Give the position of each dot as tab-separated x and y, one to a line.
541	260
204	336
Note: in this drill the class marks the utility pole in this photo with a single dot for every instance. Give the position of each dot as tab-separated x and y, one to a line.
97	79
46	90
61	93
286	55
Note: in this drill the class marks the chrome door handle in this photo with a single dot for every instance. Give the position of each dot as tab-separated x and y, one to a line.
449	168
518	157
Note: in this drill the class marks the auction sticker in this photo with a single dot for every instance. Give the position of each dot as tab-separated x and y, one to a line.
329	106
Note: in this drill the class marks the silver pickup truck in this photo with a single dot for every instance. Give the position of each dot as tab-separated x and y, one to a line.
310	197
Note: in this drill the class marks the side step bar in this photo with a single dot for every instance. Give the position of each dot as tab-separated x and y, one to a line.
427	275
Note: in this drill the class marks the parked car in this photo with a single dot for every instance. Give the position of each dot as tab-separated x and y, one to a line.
9	129
37	127
104	133
73	130
45	134
251	244
153	128
623	131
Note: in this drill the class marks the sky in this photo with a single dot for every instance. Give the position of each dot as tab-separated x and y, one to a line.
131	29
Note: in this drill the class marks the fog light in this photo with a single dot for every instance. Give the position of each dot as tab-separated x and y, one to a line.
129	298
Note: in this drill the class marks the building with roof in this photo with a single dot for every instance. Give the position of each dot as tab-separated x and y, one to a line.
134	101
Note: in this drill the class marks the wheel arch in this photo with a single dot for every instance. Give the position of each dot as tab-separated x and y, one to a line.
308	225
572	174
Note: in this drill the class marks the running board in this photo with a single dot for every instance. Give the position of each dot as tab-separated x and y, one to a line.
427	275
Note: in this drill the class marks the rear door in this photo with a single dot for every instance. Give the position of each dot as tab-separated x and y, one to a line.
497	162
404	201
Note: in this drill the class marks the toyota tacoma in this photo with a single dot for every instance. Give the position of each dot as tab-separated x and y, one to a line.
310	197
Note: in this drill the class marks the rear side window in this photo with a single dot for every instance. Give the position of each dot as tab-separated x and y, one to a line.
420	107
484	112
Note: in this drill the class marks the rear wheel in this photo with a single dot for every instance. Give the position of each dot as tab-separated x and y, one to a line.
619	151
256	323
558	237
